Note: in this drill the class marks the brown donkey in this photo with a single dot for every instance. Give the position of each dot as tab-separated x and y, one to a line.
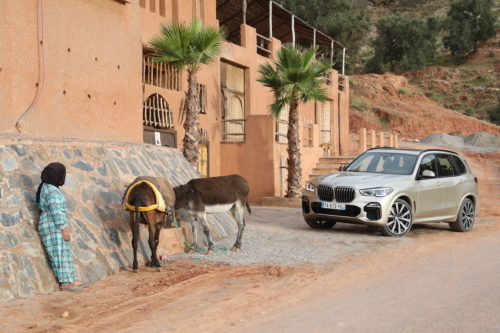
142	195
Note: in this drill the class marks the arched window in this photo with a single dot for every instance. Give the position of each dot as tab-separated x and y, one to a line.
157	113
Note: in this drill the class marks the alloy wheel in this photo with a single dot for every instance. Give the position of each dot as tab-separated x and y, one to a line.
400	218
467	215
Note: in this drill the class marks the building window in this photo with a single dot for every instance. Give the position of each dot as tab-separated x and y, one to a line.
163	75
232	102
204	156
202	97
282	126
157	113
162	8
324	121
152	6
308	133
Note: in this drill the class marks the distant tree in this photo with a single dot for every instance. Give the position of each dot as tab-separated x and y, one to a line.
294	77
188	46
469	22
404	42
494	114
346	21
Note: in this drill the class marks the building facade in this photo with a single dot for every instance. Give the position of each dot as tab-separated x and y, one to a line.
78	68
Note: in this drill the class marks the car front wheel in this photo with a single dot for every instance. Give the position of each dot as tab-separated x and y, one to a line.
320	224
400	219
465	217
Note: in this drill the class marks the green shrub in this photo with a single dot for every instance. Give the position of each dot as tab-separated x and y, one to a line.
351	82
436	98
491	54
494	114
404	91
359	104
470	112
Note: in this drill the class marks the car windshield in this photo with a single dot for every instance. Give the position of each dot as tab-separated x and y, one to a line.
384	162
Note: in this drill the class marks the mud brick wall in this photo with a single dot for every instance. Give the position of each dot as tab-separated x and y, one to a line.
96	174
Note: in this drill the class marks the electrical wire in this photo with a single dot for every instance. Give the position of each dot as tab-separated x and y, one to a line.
18	124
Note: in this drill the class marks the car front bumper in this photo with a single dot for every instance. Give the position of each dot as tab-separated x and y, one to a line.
367	210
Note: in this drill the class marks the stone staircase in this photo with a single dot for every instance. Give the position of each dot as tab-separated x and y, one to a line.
329	164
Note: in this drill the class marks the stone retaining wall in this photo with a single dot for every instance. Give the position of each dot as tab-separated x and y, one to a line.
99	227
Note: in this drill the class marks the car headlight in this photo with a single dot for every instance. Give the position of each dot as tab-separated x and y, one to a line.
376	192
310	187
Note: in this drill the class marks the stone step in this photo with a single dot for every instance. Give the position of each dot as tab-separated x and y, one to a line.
333	166
323	171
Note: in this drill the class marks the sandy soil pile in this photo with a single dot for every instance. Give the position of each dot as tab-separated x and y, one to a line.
475	140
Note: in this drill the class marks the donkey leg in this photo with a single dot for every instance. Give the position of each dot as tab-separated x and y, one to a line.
194	233
134	226
159	226
202	217
237	210
151	219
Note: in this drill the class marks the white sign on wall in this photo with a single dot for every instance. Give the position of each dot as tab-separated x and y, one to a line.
157	139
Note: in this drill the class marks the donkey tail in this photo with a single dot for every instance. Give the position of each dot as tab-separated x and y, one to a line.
248	208
137	204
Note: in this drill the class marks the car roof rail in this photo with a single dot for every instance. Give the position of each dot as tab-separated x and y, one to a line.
421	151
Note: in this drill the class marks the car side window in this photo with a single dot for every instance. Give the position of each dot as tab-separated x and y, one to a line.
459	164
446	168
429	162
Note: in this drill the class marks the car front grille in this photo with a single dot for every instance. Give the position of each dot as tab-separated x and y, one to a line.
344	194
350	211
325	193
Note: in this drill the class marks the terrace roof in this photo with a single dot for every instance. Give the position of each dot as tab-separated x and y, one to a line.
230	14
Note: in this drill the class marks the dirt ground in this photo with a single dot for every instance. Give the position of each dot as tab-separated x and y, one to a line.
192	296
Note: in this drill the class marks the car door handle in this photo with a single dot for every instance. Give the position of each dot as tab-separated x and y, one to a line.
439	184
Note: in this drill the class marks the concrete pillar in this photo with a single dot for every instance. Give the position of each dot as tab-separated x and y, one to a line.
362	140
395	141
248	38
274	46
391	140
381	139
373	139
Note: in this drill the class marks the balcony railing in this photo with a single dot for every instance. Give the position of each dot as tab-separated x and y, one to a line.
263	46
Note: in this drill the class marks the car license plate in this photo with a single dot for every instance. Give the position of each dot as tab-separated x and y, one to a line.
330	205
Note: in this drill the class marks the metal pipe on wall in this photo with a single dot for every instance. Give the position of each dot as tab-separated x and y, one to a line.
270	19
293	30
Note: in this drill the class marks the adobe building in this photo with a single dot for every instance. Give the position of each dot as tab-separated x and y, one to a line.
78	69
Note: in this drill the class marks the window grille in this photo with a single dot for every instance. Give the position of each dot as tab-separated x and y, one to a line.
282	125
324	121
308	133
202	97
157	113
163	75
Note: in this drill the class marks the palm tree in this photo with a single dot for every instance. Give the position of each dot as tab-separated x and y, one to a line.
188	47
294	77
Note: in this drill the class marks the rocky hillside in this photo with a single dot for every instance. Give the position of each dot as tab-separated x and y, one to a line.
391	103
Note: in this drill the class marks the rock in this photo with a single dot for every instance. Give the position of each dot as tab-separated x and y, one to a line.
32	249
24	286
83	256
9	163
11	219
110	197
70	182
78	152
105	213
71	202
28	267
67	154
132	167
6	295
13	200
84	228
84	166
30	182
89	216
91	274
65	314
19	149
8	238
88	193
113	234
100	182
26	233
103	170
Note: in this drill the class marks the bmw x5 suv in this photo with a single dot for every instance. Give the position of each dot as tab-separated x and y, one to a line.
394	189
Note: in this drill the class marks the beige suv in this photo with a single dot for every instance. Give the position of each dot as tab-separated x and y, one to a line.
394	189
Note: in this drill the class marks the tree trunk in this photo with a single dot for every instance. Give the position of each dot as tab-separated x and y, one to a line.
191	111
294	178
475	48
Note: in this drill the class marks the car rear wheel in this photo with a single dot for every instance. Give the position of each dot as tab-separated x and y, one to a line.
465	217
320	223
400	219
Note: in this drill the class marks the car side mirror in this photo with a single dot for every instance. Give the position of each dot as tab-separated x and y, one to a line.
428	174
342	168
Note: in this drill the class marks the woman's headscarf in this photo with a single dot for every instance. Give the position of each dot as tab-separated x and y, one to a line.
53	174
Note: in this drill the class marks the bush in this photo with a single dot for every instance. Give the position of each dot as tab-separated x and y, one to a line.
491	54
404	91
358	104
470	112
494	114
351	82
